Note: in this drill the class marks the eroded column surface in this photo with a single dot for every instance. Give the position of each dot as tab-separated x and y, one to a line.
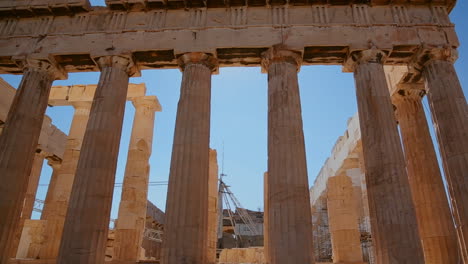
18	144
132	209
392	213
30	196
87	220
212	207
185	240
435	224
343	220
58	194
449	115
56	165
289	214
266	247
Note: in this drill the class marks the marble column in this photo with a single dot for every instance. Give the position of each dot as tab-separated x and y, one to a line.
435	224
87	220
449	115
185	240
266	205
131	220
289	213
392	213
55	165
212	207
30	196
58	194
18	144
343	220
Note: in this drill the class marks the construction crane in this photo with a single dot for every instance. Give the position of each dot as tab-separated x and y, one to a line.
227	197
38	205
153	234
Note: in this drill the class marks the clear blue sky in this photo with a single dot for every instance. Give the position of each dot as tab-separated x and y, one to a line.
239	119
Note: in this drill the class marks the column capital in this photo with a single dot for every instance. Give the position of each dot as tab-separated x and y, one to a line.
120	61
41	153
372	55
54	163
151	102
55	71
205	59
428	53
279	53
404	94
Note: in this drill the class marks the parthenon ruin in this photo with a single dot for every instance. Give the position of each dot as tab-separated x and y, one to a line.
379	198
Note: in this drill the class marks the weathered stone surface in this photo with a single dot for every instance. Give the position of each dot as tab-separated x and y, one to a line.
435	224
449	113
289	215
60	187
71	95
30	198
132	210
242	255
185	240
18	144
266	206
87	220
212	207
326	33
392	213
345	159
343	220
31	239
58	195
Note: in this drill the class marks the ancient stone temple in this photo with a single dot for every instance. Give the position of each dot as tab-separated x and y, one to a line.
379	199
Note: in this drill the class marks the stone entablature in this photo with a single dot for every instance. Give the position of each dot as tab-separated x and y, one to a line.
236	36
69	95
179	4
25	8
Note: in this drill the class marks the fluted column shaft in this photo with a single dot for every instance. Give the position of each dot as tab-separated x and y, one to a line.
266	205
343	220
212	207
56	165
87	221
132	209
435	223
449	114
392	213
185	240
17	147
289	214
58	194
30	197
33	182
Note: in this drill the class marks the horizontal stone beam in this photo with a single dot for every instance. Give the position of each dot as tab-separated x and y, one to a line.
51	140
68	95
27	8
179	4
236	36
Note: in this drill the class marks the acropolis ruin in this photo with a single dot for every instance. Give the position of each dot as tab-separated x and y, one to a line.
380	198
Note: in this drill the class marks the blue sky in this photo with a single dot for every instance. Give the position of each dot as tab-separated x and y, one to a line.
239	119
